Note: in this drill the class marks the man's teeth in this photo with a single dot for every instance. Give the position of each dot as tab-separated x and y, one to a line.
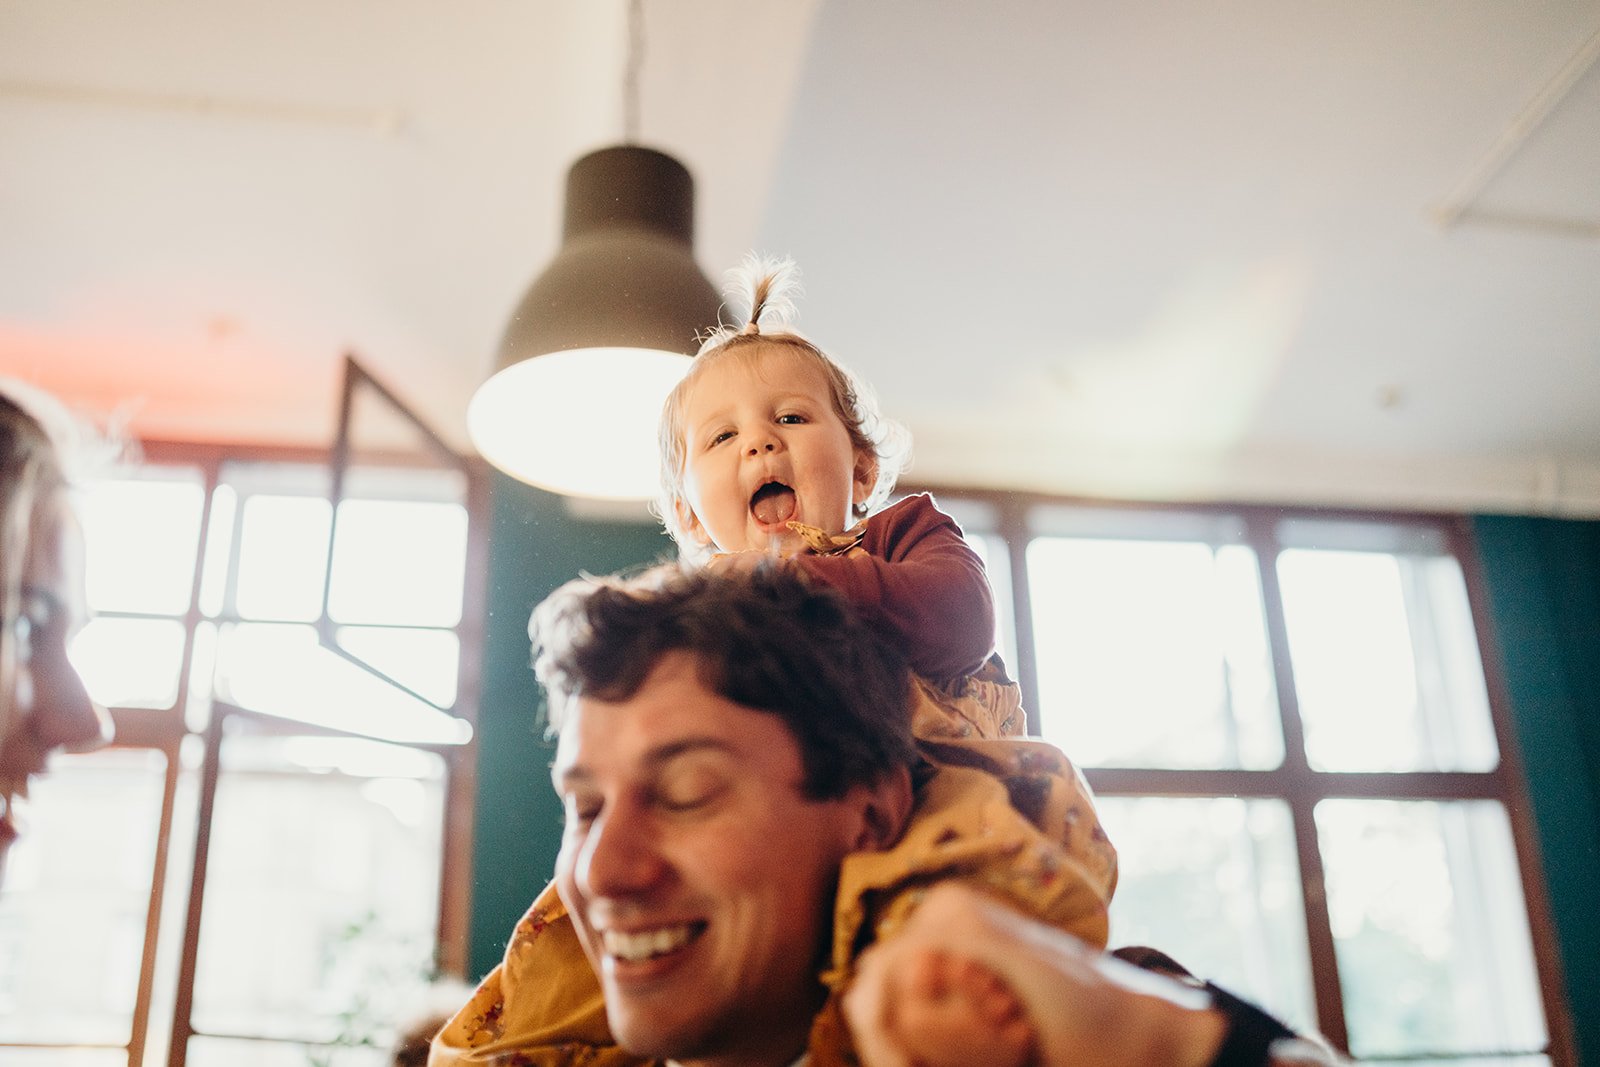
646	943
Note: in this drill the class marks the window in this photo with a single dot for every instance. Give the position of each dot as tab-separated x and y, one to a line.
293	721
1286	721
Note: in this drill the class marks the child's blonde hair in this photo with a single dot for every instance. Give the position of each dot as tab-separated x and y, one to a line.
768	287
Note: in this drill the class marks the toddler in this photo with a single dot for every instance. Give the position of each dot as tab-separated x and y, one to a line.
771	449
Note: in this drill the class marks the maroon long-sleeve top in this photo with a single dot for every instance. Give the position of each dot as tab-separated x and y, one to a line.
919	577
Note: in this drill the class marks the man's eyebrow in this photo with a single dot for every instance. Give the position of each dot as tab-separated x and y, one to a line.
579	774
673	749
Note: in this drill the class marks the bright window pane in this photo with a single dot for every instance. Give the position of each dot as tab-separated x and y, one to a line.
221	1052
1214	883
65	1057
282	669
130	663
77	888
1385	662
283	555
1152	653
1430	928
399	562
322	891
142	536
427	661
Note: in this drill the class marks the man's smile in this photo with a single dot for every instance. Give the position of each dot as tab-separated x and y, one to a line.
634	946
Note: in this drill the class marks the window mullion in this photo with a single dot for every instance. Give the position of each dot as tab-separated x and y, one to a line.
145	995
183	1008
461	777
1261	536
1016	533
170	744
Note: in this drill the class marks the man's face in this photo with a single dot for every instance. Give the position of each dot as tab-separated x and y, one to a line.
699	877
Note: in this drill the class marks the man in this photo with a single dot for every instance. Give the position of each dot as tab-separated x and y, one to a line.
704	837
726	743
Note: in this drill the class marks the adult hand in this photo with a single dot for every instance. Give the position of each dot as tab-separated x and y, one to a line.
1085	1009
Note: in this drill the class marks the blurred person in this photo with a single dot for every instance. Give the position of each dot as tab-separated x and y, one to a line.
44	707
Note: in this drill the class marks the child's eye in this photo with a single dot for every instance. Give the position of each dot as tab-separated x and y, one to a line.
791	419
725	435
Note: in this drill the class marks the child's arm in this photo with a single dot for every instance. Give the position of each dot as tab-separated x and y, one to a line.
1086	1009
918	576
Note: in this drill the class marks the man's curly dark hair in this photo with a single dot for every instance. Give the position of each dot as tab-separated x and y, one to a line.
769	639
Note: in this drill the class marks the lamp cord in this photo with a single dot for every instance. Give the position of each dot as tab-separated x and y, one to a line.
630	72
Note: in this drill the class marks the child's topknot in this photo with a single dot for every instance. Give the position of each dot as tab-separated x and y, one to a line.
767	286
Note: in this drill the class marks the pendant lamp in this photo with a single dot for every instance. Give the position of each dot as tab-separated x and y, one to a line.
603	334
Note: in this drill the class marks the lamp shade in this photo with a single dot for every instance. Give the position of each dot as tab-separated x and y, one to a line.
602	335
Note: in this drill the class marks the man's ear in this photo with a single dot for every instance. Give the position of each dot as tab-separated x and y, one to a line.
886	812
689	522
865	476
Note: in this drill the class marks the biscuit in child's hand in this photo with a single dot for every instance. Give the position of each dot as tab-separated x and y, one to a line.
826	544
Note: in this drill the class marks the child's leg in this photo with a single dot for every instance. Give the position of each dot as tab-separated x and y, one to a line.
950	1011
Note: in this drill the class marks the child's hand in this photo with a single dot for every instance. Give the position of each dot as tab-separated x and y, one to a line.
932	1008
1043	996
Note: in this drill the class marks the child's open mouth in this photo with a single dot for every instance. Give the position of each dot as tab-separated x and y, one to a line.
773	504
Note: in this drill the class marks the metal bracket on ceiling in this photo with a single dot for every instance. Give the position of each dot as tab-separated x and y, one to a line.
1458	207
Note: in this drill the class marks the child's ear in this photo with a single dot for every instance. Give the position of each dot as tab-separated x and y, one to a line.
689	522
864	478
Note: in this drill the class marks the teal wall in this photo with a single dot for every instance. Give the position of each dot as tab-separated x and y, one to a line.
534	547
1543	579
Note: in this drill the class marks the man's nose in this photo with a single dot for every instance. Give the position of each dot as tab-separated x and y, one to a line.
620	856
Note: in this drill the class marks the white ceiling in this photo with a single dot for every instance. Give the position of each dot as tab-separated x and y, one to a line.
1345	252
